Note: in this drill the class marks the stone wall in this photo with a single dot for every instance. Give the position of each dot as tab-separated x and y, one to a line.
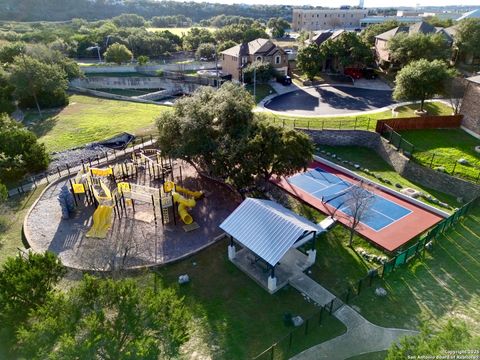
133	82
407	168
471	107
148	68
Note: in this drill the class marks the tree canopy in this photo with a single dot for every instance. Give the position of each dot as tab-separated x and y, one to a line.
369	33
348	49
310	60
264	71
196	36
450	337
38	83
20	152
104	318
467	38
25	284
221	135
118	54
405	48
278	26
206	51
421	80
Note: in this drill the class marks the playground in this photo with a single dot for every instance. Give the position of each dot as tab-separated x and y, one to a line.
146	210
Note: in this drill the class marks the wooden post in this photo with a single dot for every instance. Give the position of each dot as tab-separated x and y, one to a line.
431	161
59	172
154	210
161	206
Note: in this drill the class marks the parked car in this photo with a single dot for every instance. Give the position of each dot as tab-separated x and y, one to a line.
284	80
354	73
369	73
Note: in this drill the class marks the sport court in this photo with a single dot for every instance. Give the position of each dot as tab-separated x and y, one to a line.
333	190
389	221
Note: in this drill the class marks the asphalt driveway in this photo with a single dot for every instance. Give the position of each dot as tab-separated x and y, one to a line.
330	100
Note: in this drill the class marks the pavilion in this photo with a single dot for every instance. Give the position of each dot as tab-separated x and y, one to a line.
269	236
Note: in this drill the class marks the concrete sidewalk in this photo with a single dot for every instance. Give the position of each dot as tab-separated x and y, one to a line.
361	337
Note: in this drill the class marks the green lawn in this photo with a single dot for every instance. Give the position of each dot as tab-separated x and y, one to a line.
369	159
444	285
88	119
448	145
432	108
362	122
11	216
261	91
238	317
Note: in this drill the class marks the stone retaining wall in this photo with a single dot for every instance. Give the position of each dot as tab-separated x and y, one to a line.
410	170
188	66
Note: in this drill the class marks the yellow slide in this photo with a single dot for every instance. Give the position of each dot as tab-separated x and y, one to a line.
102	220
170	185
183	204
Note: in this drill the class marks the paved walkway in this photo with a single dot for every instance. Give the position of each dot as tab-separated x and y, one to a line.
361	337
312	289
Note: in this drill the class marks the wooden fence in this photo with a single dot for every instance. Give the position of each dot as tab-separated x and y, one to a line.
421	122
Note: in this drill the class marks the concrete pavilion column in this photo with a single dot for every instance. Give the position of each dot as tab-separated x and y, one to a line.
232	252
272	281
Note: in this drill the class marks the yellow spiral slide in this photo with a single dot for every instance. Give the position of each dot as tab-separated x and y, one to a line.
183	203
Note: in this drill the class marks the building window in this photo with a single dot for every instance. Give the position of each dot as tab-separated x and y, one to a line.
325	15
343	15
244	60
277	59
259	58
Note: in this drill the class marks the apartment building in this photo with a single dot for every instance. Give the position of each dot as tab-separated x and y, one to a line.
323	19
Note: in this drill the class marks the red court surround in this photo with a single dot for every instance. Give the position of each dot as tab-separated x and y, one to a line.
390	237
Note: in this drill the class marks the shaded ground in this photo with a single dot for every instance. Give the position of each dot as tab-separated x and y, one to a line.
331	100
130	242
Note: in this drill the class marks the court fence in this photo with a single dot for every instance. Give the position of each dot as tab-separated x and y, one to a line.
357	123
296	340
32	182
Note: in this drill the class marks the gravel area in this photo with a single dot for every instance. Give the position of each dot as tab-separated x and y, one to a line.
74	157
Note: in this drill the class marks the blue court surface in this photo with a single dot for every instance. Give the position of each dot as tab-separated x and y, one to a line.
333	191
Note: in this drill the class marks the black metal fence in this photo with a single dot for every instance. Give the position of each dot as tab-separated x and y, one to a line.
33	181
357	123
433	160
296	340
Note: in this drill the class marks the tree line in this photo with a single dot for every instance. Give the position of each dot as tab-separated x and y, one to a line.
62	10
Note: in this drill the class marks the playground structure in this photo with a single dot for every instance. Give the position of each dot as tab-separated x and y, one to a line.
115	189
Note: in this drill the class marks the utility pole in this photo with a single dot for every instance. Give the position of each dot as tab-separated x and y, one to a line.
255	83
216	65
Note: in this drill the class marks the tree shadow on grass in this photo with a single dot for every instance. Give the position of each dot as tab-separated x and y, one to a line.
432	287
44	126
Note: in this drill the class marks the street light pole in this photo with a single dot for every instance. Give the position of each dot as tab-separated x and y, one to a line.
254	82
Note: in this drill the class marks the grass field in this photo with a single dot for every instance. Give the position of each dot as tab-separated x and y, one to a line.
239	317
11	216
444	285
443	148
88	119
180	31
369	159
261	91
364	122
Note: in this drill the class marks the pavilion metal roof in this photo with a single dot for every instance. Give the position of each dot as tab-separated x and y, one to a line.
267	228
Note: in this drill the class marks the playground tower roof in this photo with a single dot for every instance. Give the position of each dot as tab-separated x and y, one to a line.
267	228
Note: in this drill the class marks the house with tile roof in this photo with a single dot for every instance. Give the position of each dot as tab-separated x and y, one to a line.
382	53
236	58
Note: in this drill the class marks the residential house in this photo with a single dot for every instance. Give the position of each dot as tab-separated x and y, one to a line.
320	37
467	58
382	53
238	57
470	108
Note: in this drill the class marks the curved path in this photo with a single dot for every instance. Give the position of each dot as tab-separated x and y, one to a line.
330	100
361	337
